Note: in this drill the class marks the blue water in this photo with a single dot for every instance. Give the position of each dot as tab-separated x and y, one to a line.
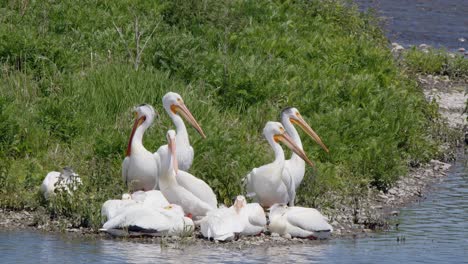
439	23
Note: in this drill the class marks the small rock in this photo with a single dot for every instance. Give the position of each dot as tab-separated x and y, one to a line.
275	235
383	196
395	213
461	39
424	46
287	236
461	49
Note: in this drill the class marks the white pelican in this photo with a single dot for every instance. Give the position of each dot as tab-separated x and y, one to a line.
252	215
224	224
138	217
151	199
140	167
195	196
294	168
266	182
54	179
299	222
111	208
174	105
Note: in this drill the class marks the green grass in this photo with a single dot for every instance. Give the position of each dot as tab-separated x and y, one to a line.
436	62
69	82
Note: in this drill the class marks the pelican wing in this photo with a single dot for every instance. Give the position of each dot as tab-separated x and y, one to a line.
308	219
141	217
256	214
197	187
288	181
125	165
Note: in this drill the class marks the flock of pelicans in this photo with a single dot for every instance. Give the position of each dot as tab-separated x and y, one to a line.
165	199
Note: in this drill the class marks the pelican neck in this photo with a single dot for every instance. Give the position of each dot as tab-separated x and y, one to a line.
294	135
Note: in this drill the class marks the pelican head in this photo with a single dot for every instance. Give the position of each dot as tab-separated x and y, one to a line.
240	203
293	115
174	104
144	114
171	142
276	132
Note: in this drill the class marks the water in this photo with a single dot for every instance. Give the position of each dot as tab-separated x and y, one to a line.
434	231
439	23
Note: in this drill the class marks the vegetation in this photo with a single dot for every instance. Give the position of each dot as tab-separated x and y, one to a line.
73	70
436	62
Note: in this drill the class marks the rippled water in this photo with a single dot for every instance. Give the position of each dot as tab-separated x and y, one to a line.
434	22
434	231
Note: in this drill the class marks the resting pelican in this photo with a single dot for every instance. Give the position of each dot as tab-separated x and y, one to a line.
266	182
253	216
111	208
140	167
174	105
223	224
294	168
299	222
63	180
138	217
195	196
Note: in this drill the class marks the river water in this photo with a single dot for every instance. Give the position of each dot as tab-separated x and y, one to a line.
439	23
434	230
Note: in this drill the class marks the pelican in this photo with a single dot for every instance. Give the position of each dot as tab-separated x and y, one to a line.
138	217
266	183
140	167
253	216
195	196
63	180
223	224
294	168
299	222
174	105
111	208
151	199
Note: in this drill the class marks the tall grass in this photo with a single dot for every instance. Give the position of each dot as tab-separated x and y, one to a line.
69	81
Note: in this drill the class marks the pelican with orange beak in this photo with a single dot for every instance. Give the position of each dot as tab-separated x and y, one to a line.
266	183
294	168
175	108
182	188
140	167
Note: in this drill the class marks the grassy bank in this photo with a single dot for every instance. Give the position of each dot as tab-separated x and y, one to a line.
71	72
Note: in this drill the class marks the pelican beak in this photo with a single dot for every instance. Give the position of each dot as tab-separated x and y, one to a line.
288	141
303	124
185	112
172	147
138	122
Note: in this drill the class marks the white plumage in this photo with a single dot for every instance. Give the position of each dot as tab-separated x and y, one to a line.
266	183
194	195
175	108
299	222
140	167
66	180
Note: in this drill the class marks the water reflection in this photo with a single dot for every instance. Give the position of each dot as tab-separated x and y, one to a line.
432	231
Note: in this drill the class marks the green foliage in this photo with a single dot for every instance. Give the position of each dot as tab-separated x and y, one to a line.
72	71
436	61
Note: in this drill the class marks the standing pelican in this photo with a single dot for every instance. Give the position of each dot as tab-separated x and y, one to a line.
174	105
294	168
140	167
266	182
195	197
